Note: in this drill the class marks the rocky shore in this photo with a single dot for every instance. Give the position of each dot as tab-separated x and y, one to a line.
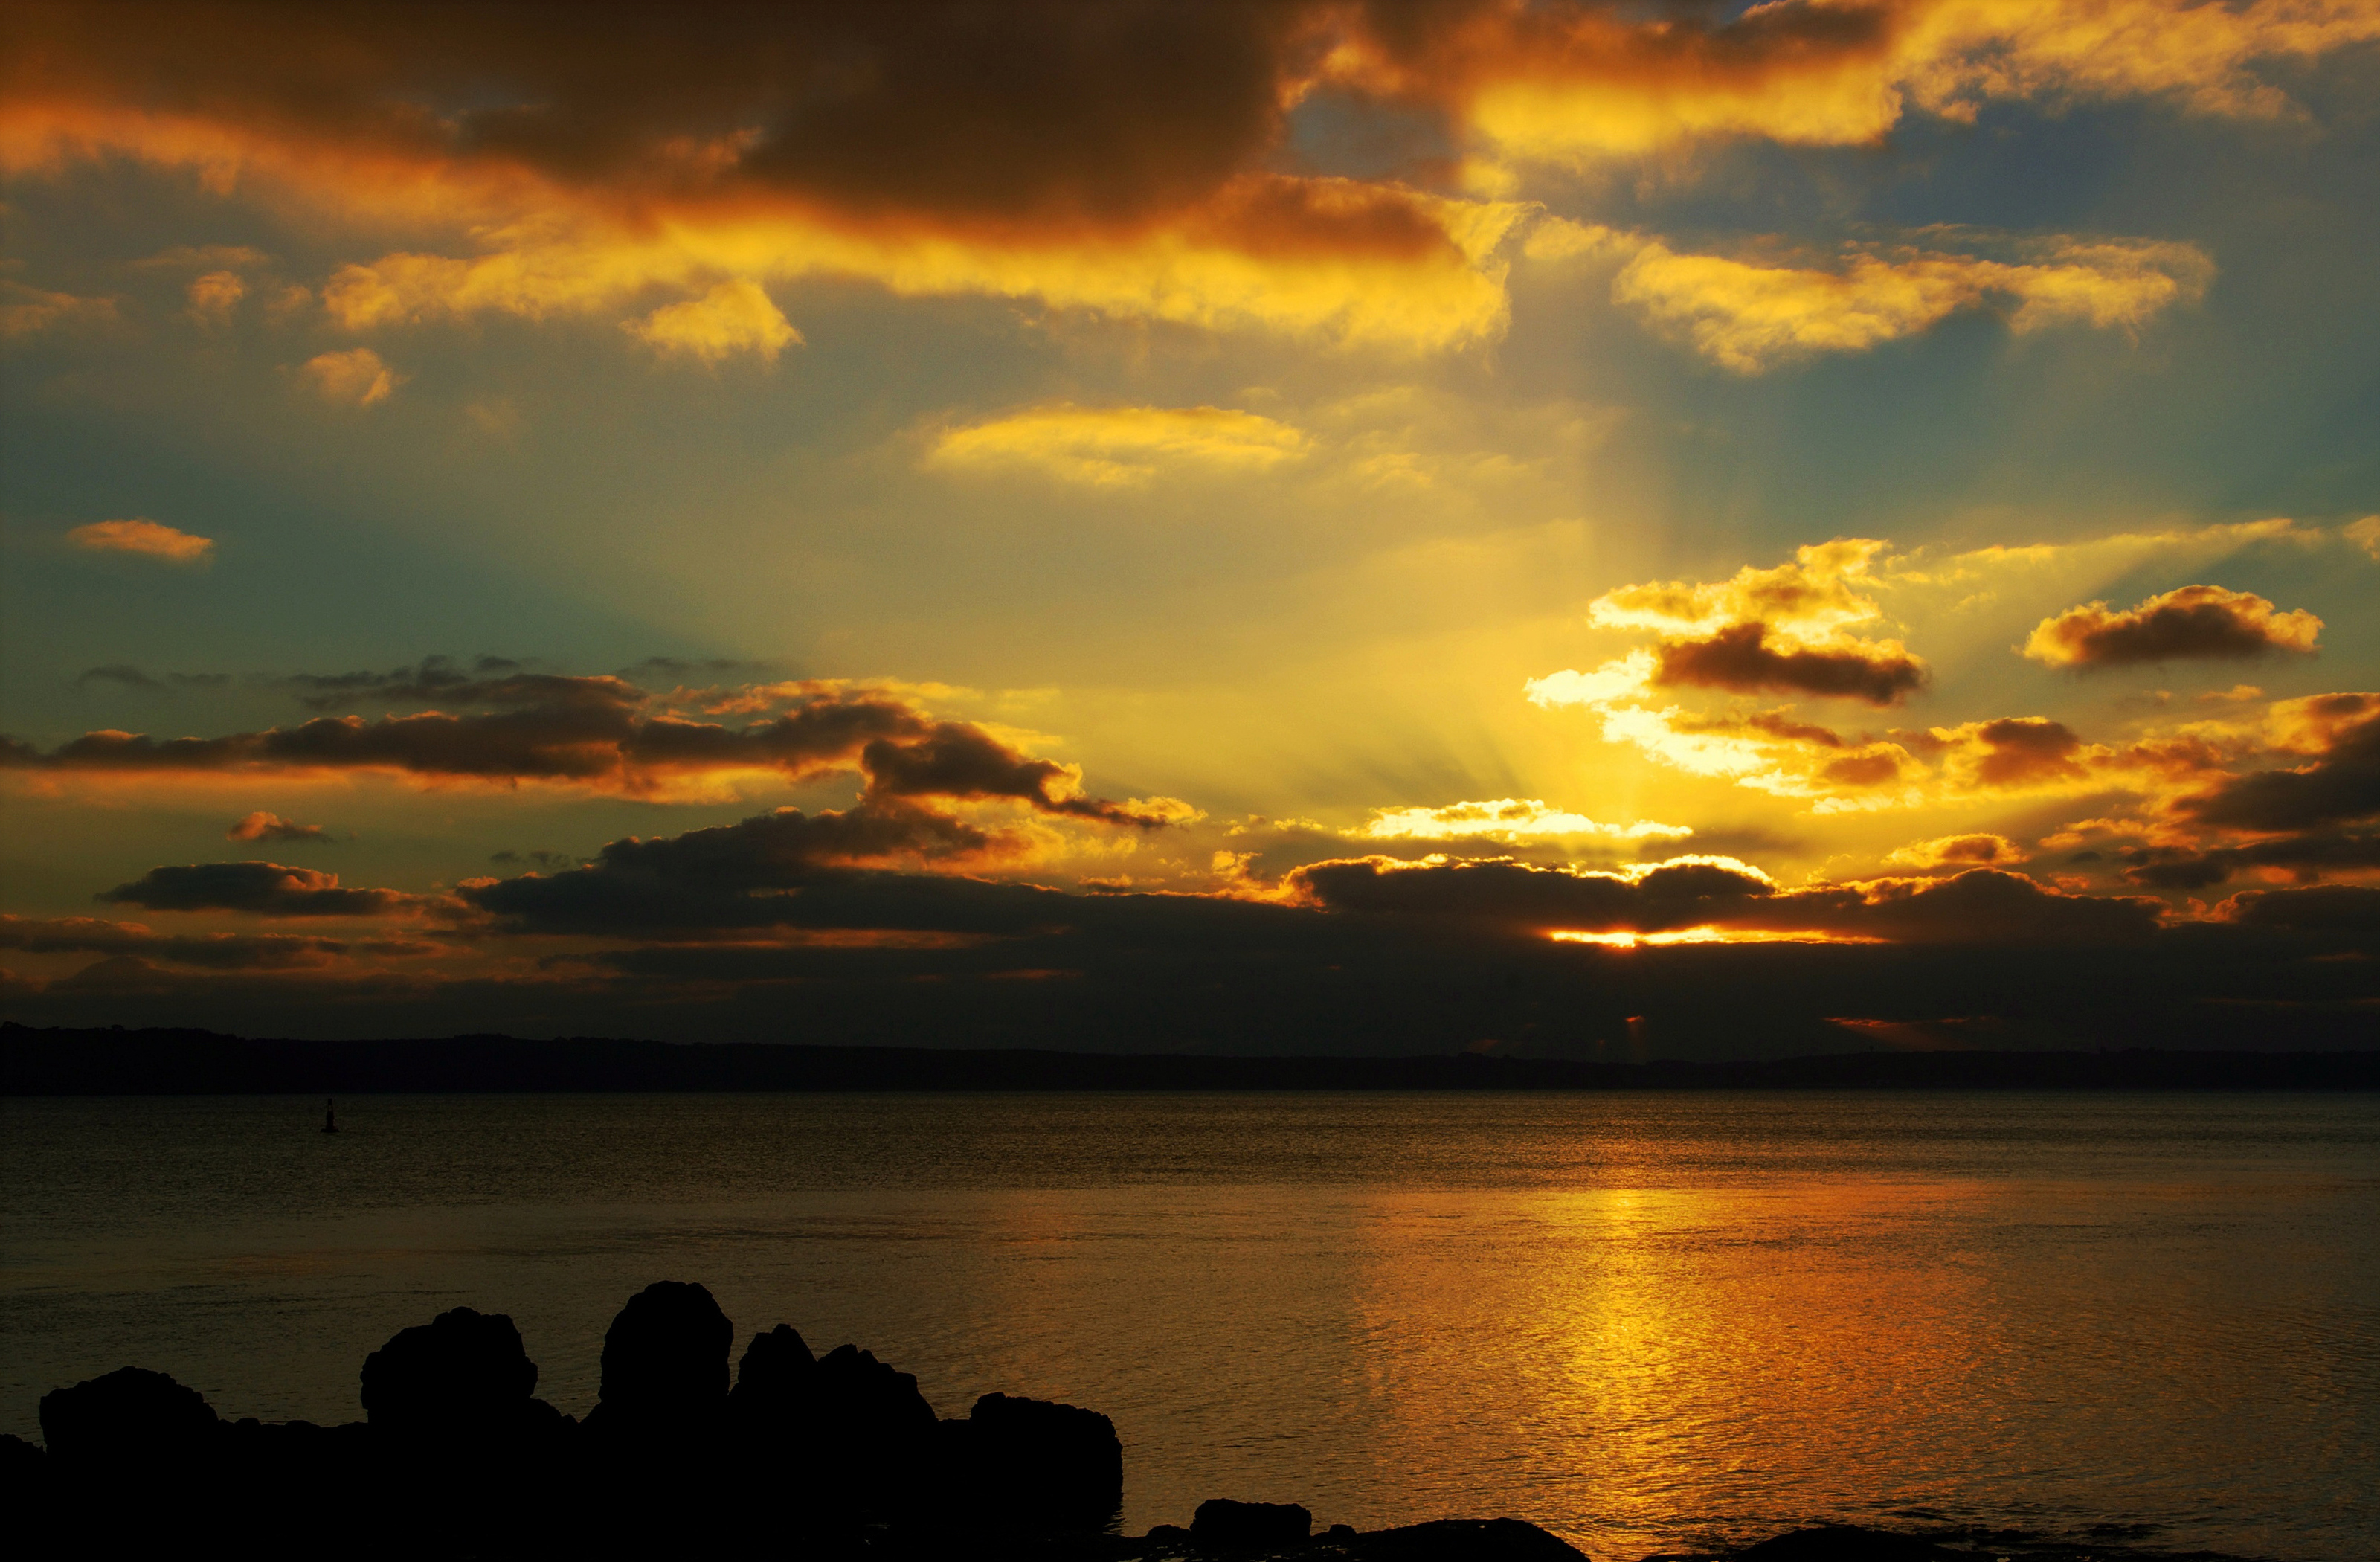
796	1455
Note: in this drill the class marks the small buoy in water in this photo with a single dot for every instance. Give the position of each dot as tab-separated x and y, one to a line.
329	1116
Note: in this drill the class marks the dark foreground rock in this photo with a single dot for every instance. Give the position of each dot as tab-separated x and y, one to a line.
824	1459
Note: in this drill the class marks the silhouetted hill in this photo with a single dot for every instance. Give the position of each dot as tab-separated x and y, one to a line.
115	1062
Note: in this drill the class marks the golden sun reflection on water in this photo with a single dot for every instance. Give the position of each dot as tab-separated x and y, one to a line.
1651	1322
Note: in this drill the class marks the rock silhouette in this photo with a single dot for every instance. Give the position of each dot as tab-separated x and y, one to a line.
832	1459
664	1364
1221	1524
776	1380
1036	1468
130	1416
462	1375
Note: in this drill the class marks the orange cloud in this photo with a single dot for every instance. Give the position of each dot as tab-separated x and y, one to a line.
354	378
148	538
2195	623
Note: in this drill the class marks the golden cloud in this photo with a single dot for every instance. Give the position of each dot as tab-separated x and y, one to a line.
1776	629
1108	446
148	538
2194	623
1750	318
733	317
1330	259
1811	599
1579	83
1788	627
1958	851
354	378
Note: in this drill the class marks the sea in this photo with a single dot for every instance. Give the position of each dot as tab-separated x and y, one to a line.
1650	1322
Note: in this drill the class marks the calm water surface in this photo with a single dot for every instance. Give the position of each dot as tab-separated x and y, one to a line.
1647	1322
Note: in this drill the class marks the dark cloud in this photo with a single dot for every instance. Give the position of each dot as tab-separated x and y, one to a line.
2197	623
1861	771
122	672
1980	906
2308	856
1975	850
1537	899
1100	115
1777	724
222	951
677	669
1740	658
492	680
732	875
1027	966
546	859
264	889
956	759
2341	787
2348	909
2027	751
592	731
263	826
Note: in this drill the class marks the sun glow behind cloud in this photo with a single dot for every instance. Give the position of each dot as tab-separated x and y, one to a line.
1705	935
1506	819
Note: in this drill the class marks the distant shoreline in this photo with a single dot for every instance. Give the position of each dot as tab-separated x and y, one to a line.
163	1062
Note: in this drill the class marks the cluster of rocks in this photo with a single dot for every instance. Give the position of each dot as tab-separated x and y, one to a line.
829	1458
795	1454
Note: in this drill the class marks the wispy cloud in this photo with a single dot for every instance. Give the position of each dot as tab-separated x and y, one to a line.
1108	446
1750	317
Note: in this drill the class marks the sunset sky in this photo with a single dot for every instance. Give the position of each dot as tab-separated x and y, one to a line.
1291	526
